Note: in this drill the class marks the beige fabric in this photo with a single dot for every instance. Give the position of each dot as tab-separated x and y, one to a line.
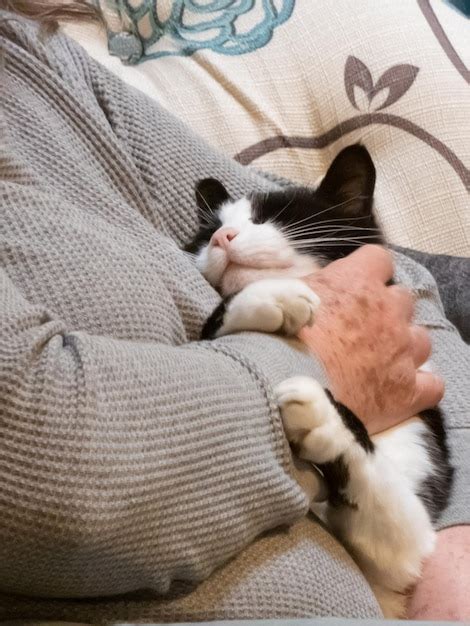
295	85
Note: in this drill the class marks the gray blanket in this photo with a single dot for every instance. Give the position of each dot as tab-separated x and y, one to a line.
132	456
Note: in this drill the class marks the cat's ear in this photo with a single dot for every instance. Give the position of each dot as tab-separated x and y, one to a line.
349	182
210	195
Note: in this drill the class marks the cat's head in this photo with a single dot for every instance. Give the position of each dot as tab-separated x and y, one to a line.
284	233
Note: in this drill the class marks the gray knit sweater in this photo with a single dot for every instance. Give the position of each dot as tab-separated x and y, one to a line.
132	455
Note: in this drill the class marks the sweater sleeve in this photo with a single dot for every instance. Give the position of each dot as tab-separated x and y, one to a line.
168	157
128	465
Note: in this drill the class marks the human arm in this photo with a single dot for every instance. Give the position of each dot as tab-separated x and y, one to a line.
133	455
129	464
100	423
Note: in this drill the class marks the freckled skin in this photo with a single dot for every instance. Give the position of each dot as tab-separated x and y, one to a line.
363	338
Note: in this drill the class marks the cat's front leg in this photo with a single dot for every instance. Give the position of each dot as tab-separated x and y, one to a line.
372	507
311	421
275	305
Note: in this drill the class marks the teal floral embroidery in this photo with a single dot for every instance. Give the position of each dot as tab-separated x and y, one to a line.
228	27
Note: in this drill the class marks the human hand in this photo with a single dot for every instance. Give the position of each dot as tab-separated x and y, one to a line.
364	337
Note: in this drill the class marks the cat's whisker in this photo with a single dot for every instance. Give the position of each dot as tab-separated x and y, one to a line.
328	240
345	231
335	206
205	215
331	224
336	227
273	219
342	219
331	208
334	244
319	239
294	241
307	250
209	214
316	245
204	200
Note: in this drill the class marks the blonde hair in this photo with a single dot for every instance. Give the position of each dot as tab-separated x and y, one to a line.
50	12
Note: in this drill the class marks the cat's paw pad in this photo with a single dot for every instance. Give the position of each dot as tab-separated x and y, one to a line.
296	302
299	311
304	406
271	306
311	421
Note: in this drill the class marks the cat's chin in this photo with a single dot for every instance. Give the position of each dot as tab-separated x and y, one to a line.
236	277
230	273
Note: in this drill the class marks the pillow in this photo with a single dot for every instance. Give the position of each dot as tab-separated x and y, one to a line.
283	85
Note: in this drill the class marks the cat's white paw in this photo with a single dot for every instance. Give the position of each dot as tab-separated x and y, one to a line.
311	420
272	305
298	304
303	404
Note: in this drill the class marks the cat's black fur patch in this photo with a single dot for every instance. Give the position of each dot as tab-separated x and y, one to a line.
301	205
206	229
336	475
341	207
435	491
215	321
352	423
210	194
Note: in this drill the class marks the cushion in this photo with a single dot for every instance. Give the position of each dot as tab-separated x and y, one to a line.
284	85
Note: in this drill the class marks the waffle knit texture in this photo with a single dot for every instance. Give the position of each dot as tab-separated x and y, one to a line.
133	456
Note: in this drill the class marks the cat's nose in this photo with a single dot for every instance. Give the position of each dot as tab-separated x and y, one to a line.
223	236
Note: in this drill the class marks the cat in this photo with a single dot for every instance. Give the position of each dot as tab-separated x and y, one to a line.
385	492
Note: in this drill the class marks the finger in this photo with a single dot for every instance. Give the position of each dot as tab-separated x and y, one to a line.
420	344
372	262
429	391
404	300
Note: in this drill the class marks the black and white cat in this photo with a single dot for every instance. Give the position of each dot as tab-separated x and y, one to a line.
384	492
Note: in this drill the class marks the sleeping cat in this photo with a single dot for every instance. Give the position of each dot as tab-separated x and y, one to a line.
385	491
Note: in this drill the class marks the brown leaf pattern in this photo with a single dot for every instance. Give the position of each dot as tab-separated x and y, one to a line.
397	80
356	74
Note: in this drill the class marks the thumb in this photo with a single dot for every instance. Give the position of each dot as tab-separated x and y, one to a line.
429	391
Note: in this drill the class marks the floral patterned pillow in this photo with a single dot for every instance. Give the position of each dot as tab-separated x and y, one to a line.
150	29
283	85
